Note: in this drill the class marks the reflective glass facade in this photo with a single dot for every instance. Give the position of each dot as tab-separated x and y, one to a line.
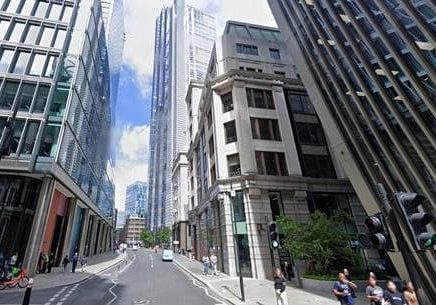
372	67
136	199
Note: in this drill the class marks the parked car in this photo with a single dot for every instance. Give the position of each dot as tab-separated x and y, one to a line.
167	255
135	248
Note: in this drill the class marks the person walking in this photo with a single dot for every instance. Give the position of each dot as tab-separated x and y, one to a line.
374	293
74	261
409	293
84	263
205	261
50	262
280	287
65	262
44	263
392	296
213	263
40	262
341	289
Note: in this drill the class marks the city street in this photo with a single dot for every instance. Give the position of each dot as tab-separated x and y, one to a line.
144	280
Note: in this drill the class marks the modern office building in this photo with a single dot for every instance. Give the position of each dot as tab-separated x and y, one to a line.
136	199
121	219
183	41
370	69
56	193
257	151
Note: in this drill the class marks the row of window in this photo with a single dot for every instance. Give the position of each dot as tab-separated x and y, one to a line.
40	9
254	50
32	33
23	134
29	63
29	97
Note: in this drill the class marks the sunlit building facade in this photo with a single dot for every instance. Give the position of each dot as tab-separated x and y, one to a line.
370	69
56	192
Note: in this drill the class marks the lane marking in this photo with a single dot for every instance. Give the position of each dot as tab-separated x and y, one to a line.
151	259
194	282
114	295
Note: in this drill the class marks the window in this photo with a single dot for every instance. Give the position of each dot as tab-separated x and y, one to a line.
59	101
47	37
41	10
30	138
212	174
4	26
318	166
230	130
234	166
8	96
21	62
247	49
211	146
282	73
251	69
32	34
41	98
274	53
271	163
17	129
6	60
209	119
265	129
55	11
17	32
299	103
51	66
227	102
26	96
66	16
27	8
60	38
258	98
311	134
37	64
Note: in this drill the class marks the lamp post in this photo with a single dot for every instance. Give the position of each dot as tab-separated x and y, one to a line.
237	260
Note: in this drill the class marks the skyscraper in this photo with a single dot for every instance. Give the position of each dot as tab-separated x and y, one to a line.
136	199
370	69
56	195
183	42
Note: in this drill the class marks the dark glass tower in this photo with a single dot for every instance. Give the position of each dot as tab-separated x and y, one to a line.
370	69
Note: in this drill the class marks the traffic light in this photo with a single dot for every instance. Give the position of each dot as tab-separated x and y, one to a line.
378	236
273	231
416	218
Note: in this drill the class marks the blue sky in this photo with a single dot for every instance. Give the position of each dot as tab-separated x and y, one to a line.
134	99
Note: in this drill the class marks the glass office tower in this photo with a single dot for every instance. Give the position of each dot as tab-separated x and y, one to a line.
136	199
55	191
370	69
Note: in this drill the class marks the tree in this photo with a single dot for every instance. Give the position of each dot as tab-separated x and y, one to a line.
321	241
147	238
163	235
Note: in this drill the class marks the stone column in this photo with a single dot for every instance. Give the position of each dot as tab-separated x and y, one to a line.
30	260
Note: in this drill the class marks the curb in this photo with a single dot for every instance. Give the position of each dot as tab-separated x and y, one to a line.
204	283
86	278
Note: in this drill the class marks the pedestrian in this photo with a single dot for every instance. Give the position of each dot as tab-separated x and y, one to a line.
341	289
392	296
348	276
50	262
213	263
65	262
205	261
13	260
280	287
374	293
40	262
44	263
84	263
74	261
409	293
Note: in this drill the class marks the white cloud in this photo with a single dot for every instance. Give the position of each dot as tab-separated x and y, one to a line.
140	17
132	160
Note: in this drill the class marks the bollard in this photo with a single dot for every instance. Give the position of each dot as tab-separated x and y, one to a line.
26	300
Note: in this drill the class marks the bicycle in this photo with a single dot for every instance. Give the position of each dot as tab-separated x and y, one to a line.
22	280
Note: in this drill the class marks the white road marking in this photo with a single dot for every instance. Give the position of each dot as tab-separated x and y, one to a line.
194	282
113	293
151	259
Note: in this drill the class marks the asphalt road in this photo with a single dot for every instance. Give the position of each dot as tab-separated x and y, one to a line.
145	280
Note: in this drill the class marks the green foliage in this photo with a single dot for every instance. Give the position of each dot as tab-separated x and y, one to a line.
321	241
150	238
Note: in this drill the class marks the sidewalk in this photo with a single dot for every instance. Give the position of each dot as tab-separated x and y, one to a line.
58	277
257	292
